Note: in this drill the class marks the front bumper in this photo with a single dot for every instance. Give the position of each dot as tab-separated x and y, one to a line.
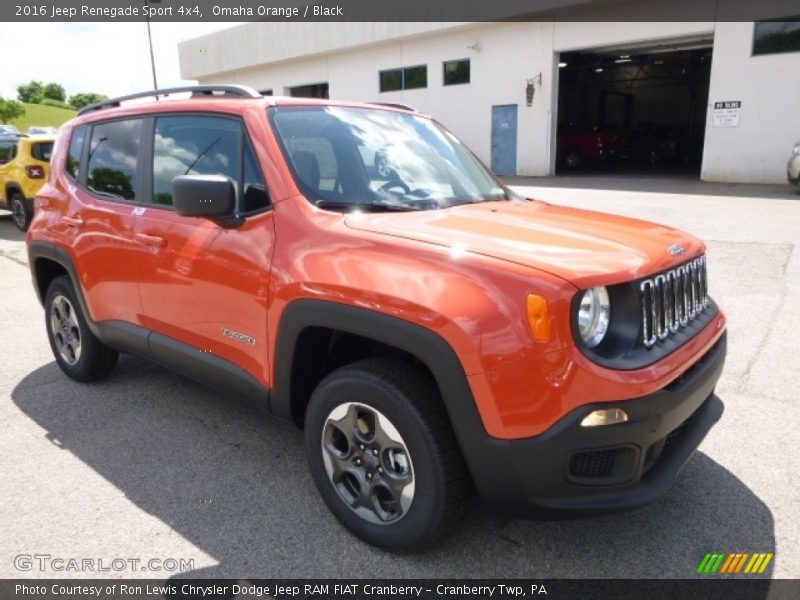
573	470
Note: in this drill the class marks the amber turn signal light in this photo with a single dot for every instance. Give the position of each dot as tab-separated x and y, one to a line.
539	317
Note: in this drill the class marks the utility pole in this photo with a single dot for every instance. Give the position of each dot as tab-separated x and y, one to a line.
150	41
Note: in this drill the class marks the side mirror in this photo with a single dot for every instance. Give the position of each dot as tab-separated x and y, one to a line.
203	196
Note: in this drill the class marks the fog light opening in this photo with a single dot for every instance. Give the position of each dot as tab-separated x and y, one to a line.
604	416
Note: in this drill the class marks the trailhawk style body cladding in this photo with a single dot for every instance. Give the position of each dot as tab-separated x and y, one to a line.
276	303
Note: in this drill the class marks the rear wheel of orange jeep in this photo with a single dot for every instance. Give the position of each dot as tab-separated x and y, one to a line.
77	351
383	455
20	211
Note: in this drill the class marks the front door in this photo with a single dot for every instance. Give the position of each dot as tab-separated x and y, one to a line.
205	281
504	139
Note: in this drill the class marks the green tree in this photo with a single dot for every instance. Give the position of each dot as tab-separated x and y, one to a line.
78	101
10	109
55	91
32	92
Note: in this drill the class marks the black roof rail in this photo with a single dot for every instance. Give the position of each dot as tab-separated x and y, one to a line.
234	91
395	105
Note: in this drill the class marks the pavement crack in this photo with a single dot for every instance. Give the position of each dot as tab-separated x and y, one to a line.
773	323
785	268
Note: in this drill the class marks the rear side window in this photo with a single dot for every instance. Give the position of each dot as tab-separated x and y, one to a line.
113	152
75	151
42	151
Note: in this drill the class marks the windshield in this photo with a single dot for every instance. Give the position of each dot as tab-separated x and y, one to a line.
373	158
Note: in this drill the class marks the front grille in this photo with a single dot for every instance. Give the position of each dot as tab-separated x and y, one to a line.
671	300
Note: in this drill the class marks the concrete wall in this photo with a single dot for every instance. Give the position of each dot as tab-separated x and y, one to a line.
769	88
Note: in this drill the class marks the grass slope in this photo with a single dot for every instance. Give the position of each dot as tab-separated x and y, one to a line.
39	114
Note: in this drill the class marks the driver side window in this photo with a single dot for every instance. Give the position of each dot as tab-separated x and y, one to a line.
207	145
193	145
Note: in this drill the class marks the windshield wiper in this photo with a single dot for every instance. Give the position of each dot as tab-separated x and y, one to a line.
366	206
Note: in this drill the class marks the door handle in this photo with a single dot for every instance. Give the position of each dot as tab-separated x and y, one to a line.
73	221
150	240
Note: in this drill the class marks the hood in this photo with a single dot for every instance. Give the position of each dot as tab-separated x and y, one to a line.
583	247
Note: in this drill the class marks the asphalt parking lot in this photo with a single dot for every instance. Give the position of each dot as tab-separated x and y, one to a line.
147	464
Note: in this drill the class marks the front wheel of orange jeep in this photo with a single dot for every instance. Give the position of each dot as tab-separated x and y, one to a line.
383	455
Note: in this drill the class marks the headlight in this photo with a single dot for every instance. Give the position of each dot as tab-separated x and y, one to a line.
594	314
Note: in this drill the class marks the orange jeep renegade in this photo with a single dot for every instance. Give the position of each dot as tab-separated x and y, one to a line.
353	269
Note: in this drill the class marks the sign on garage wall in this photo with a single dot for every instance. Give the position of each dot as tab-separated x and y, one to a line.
726	114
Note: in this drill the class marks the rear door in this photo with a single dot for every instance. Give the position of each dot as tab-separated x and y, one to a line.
204	281
104	182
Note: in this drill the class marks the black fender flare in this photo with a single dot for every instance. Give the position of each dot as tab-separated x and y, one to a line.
55	253
11	187
426	345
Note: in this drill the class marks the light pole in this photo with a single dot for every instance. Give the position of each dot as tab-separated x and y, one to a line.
150	40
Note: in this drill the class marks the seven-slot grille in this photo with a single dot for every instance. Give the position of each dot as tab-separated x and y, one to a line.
672	299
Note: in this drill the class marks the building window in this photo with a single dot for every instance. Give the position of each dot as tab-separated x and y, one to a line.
772	37
405	78
391	80
456	71
312	90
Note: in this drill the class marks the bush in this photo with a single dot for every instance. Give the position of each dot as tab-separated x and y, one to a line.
51	102
31	93
78	101
54	91
10	109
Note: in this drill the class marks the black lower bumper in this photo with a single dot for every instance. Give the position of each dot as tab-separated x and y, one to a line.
574	470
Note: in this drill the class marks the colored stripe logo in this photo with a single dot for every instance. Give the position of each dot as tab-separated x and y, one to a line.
735	563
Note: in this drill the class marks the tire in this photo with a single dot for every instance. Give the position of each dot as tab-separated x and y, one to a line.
20	211
409	461
77	351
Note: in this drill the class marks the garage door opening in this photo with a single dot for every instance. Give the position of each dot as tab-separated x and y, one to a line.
633	111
